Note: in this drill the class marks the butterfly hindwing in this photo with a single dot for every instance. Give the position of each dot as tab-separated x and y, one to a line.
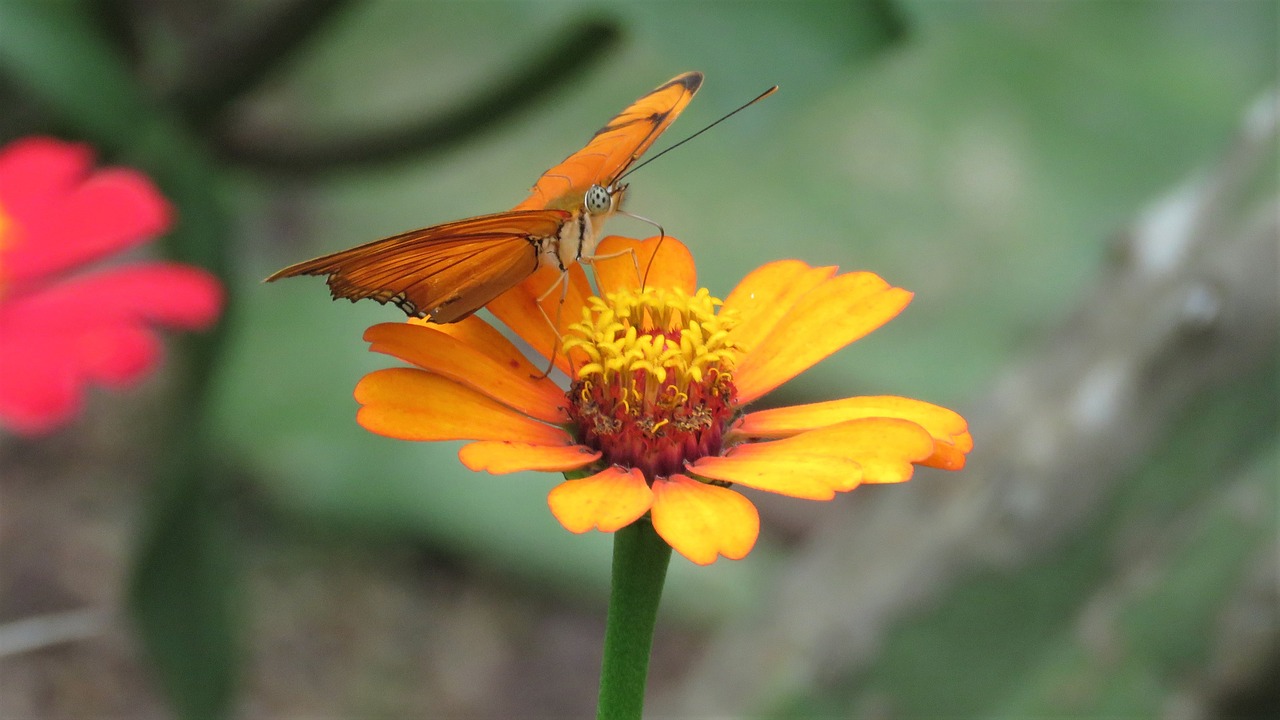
444	272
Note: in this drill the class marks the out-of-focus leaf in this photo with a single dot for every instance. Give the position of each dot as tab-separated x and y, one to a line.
185	596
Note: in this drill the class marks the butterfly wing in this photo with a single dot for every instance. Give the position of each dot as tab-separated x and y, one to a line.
445	272
449	271
614	147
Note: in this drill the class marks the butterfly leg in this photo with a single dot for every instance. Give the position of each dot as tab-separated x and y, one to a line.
563	283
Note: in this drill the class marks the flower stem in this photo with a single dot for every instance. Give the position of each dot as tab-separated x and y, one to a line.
640	560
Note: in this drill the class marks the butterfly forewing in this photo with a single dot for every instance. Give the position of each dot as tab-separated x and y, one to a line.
614	147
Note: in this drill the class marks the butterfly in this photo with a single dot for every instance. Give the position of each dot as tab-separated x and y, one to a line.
447	272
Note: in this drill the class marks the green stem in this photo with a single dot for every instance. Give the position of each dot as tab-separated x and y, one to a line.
640	560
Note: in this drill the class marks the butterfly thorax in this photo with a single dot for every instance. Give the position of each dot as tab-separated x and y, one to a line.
580	233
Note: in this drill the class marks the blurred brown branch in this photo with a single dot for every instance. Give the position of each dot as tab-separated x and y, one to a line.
231	58
1189	302
556	62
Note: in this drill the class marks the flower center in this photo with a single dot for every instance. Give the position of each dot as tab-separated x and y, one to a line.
656	390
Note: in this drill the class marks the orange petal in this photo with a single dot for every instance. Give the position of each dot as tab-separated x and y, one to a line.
782	470
413	404
702	521
765	296
518	308
949	430
501	457
495	368
609	500
825	319
945	457
818	463
661	261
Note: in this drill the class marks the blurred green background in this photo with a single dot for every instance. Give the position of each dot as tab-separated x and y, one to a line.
282	562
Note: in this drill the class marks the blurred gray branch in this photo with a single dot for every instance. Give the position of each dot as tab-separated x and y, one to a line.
1189	301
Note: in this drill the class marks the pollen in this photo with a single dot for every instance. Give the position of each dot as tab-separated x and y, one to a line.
656	389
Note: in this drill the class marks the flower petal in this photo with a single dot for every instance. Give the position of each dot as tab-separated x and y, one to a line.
949	430
608	501
39	391
702	521
62	215
507	376
93	328
763	466
767	294
36	171
661	261
412	404
818	463
501	457
518	309
825	319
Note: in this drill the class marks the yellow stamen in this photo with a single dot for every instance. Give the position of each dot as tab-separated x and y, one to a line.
664	334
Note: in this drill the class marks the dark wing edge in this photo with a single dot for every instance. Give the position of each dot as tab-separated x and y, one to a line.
659	119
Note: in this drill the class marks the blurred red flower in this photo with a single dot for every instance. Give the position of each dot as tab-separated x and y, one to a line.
60	332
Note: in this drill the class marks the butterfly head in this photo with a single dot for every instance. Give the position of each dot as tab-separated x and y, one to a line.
601	200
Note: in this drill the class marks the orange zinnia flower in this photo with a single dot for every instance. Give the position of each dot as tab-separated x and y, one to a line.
653	421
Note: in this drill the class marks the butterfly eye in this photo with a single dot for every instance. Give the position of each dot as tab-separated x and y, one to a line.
598	199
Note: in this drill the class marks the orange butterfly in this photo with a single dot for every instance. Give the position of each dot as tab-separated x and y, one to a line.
446	272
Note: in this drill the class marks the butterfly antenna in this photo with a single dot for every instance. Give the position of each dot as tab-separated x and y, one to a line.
662	235
740	108
649	265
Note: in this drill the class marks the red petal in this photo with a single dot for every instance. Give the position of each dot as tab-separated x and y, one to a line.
54	341
40	388
59	217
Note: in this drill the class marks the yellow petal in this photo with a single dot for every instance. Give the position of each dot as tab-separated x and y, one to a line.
825	319
609	500
661	261
949	430
412	404
837	458
500	457
702	521
767	294
763	466
945	457
495	368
